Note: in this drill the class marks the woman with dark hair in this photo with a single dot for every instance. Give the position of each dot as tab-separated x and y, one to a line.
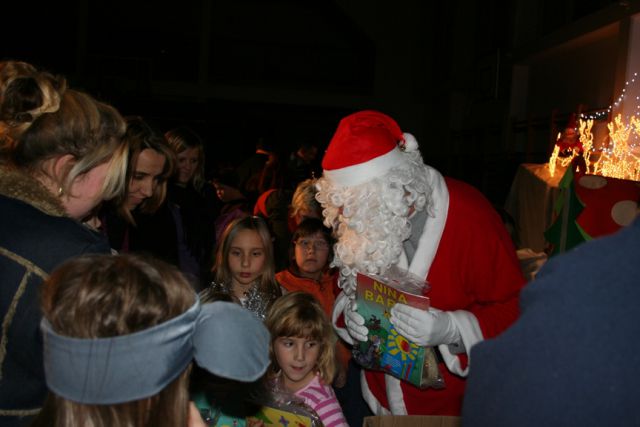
143	220
151	163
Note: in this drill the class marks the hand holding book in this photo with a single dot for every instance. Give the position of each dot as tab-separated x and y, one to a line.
355	323
430	327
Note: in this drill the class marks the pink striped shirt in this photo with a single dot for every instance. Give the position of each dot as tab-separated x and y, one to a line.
322	399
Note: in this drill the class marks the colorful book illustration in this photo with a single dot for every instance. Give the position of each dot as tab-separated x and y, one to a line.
386	349
270	416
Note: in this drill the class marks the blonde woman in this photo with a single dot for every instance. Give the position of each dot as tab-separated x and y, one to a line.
63	156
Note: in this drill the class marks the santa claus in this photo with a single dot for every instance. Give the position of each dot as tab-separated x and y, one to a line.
388	208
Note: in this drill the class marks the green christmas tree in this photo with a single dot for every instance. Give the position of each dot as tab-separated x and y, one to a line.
565	233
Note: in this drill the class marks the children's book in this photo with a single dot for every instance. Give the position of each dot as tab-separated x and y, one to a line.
386	349
270	416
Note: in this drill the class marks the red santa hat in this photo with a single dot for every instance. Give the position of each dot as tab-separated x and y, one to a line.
366	145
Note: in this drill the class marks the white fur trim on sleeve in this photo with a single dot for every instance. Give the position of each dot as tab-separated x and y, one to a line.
374	404
470	333
395	395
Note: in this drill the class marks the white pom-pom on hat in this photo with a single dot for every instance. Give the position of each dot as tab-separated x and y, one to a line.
409	144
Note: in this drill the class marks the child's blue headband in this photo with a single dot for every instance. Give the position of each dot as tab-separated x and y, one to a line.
222	337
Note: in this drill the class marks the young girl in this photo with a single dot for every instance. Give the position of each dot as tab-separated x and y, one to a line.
119	335
244	265
302	353
310	255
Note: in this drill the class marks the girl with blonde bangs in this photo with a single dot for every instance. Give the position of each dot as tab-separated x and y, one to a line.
302	354
297	316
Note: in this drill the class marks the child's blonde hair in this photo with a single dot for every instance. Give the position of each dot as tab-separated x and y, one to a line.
221	271
298	314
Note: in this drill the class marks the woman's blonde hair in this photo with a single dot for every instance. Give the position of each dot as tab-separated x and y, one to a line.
183	138
42	119
298	314
221	271
98	296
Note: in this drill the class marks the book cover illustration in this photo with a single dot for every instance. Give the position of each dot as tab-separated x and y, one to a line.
386	349
270	416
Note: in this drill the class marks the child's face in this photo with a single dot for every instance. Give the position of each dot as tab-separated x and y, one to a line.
246	258
311	255
297	358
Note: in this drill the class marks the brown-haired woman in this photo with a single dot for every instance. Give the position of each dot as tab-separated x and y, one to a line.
62	157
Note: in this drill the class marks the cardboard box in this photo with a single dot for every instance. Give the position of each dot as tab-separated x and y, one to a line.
412	421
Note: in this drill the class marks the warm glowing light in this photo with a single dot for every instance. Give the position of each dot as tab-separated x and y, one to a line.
617	157
553	159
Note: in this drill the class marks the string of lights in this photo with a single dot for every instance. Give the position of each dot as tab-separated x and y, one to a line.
605	113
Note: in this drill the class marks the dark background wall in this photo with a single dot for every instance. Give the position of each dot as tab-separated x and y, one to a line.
480	83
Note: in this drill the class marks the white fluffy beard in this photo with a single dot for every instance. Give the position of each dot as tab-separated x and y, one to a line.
371	221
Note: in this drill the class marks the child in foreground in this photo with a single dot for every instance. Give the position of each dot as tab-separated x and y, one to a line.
120	333
302	354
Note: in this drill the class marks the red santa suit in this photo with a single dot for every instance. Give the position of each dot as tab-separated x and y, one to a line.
458	243
468	258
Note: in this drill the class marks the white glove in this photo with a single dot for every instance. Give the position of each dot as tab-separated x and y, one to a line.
430	327
355	322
